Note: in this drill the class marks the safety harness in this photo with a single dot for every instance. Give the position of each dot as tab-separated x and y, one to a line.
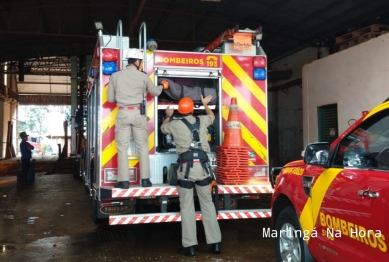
197	155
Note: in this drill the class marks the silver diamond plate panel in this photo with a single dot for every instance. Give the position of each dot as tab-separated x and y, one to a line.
157	162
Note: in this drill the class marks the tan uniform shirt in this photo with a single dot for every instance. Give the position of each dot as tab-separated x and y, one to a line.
183	136
127	87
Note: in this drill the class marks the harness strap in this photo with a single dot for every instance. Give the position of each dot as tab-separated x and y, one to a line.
195	129
204	182
215	195
194	155
185	183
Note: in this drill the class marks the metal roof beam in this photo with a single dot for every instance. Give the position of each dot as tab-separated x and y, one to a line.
136	18
44	100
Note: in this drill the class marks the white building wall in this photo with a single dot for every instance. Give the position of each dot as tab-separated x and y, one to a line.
356	79
285	108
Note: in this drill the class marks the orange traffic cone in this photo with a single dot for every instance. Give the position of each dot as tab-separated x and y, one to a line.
233	133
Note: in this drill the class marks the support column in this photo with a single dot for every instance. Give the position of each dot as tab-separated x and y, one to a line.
74	84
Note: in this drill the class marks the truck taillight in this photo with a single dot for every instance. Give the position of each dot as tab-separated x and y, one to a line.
259	62
109	68
259	74
109	55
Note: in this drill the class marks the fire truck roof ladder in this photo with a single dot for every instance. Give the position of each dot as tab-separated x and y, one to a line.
143	26
257	33
119	36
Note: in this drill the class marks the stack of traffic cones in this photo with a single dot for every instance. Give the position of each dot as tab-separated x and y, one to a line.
232	157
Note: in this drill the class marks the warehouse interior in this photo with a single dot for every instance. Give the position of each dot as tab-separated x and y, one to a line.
46	48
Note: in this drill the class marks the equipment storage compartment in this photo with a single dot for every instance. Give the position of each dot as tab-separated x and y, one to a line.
192	87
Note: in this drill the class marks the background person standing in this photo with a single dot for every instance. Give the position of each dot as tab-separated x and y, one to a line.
197	177
128	89
26	152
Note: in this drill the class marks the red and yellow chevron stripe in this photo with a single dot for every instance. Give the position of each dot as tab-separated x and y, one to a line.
237	82
108	116
251	96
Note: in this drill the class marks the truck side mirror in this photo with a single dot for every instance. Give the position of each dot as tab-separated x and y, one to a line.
317	154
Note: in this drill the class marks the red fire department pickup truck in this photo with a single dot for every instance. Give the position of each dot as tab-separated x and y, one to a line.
333	205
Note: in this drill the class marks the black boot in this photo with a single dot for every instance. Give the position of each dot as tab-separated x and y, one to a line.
146	182
122	185
216	248
187	251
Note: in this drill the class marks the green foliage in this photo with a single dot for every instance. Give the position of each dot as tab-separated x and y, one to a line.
35	118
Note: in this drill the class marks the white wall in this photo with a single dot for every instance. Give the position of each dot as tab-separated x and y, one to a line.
356	79
285	109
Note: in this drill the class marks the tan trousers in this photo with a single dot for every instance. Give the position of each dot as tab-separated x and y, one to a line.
188	221
131	122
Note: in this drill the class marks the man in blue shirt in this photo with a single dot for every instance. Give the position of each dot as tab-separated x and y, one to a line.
25	150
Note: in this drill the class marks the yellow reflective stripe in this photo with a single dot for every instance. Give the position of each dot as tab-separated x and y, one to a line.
109	120
132	163
108	153
377	109
150	111
104	95
312	207
151	141
111	150
245	78
250	139
245	106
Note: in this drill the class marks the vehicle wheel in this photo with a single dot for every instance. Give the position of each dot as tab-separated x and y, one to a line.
86	189
95	217
289	243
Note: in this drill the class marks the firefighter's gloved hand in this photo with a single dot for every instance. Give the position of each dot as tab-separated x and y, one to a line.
213	183
165	84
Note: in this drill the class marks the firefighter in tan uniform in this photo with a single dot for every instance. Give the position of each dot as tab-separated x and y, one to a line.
127	88
192	172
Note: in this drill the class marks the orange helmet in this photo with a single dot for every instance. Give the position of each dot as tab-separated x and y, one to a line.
185	105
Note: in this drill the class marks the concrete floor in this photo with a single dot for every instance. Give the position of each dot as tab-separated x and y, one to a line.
51	220
48	164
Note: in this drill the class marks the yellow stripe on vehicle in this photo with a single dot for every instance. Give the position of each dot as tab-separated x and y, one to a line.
151	140
245	78
132	163
108	153
104	95
150	111
377	109
245	106
312	207
109	121
250	139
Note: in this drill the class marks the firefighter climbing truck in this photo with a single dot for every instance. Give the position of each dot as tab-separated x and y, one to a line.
238	71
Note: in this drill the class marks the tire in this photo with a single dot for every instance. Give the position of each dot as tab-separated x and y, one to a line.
95	213
290	246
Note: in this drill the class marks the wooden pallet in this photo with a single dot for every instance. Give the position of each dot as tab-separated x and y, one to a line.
361	35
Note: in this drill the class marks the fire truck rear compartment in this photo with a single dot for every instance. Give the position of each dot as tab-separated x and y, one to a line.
166	142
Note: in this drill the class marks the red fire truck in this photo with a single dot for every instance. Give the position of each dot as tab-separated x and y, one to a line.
232	72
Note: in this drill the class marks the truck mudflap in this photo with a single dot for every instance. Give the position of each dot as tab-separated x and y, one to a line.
166	190
176	217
